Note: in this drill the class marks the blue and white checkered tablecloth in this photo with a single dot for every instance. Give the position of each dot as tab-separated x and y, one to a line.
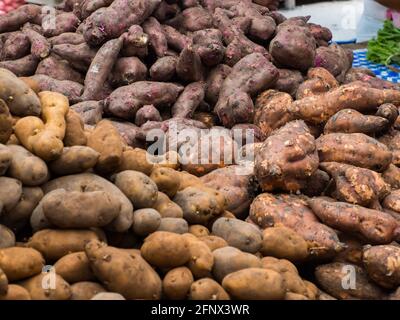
381	71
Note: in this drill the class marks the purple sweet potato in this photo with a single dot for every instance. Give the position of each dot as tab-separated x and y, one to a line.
157	38
131	133
189	100
175	39
100	68
80	56
111	22
90	112
147	113
135	42
22	67
67	38
192	19
40	47
166	10
164	69
189	67
14	19
89	6
16	46
125	101
249	76
63	22
209	46
215	81
128	70
289	81
58	69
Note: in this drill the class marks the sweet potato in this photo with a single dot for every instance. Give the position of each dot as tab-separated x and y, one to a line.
21	100
147	113
165	249
58	69
79	55
67	38
356	185
19	263
16	18
392	140
63	22
286	158
40	47
346	281
89	6
131	134
292	212
359	74
177	283
335	59
288	81
192	19
245	80
55	244
21	67
157	38
356	149
71	89
44	138
74	267
189	100
135	42
146	221
376	226
128	70
209	46
86	290
189	67
164	69
91	112
75	159
391	204
125	101
16	46
100	25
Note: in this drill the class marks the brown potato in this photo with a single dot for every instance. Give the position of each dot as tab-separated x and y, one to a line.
176	225
3	283
166	207
166	179
177	283
198	230
146	221
85	290
5	158
73	160
74	267
74	133
20	263
16	292
165	249
10	192
6	122
284	243
201	257
7	237
47	286
207	289
126	273
214	242
255	284
137	160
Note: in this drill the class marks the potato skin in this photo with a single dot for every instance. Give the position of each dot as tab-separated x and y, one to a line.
16	292
19	263
166	180
146	221
331	276
282	242
85	290
136	159
64	208
176	225
230	259
239	234
75	159
198	230
177	283
55	244
10	192
255	284
382	264
201	258
214	242
287	158
207	289
165	249
122	272
74	132
26	167
355	149
35	288
74	267
166	207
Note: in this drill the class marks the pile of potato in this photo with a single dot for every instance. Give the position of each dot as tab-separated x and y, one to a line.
87	213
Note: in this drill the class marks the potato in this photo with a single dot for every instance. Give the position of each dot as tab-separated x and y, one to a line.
239	234
137	160
255	284
47	286
85	290
166	179
16	292
74	209
106	140
166	207
198	230
201	258
214	242
295	296
188	180
54	244
279	265
74	133
89	181
282	242
346	281
230	259
5	158
108	296
10	192
123	272
207	289
138	187
19	216
200	204
26	167
7	237
146	221
4	283
177	283
74	267
20	263
6	122
176	225
382	264
44	138
21	100
73	160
